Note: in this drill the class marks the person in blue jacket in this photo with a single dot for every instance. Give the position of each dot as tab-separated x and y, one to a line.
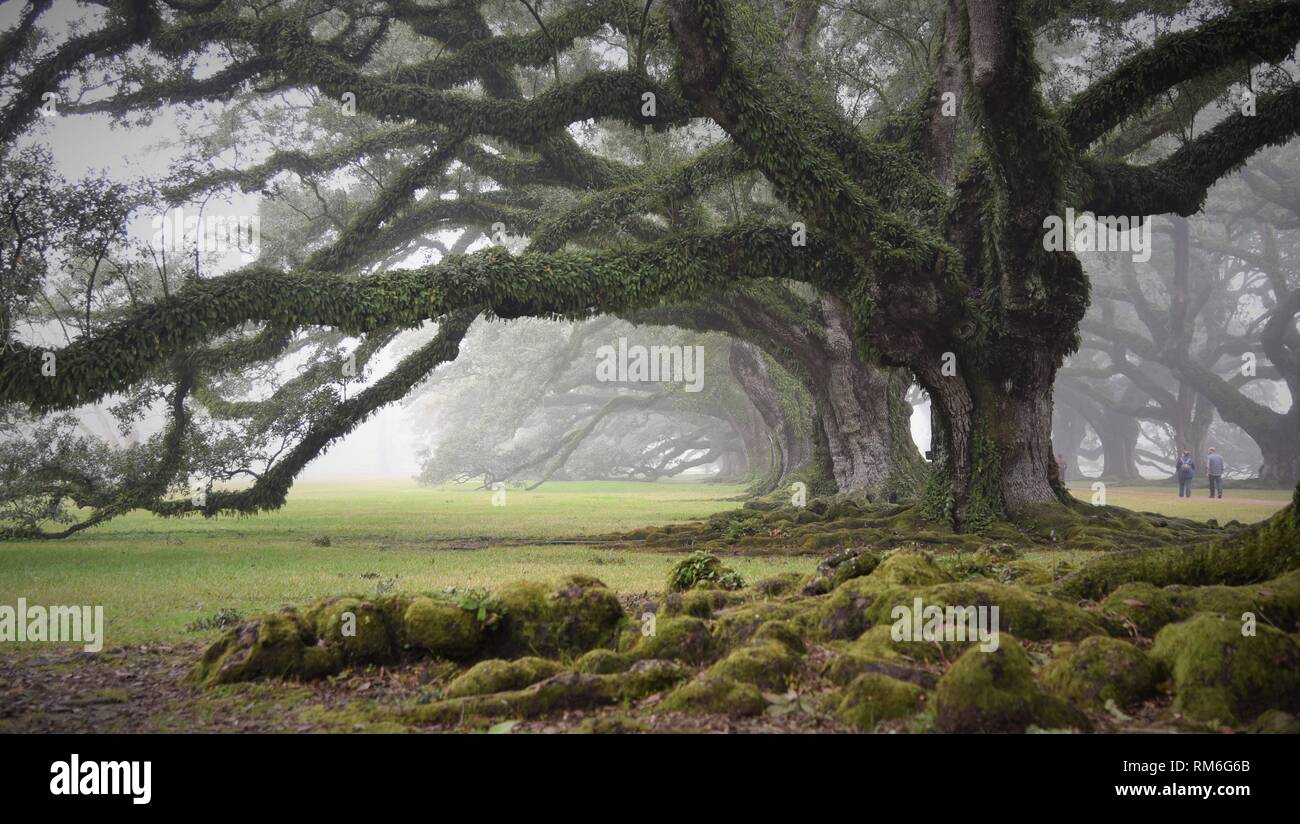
1186	470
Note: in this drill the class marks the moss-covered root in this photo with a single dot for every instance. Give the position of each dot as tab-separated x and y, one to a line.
579	615
277	645
716	696
735	685
995	692
524	619
683	639
1146	608
1100	670
1259	552
872	698
565	691
840	567
1221	675
495	675
863	603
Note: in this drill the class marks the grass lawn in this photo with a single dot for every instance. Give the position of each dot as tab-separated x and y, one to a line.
1245	505
154	576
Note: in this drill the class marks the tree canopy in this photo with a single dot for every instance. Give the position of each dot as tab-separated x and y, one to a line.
595	157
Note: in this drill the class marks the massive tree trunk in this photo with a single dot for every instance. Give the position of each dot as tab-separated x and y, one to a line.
862	411
993	449
1281	450
862	429
1117	430
1119	436
778	447
1068	431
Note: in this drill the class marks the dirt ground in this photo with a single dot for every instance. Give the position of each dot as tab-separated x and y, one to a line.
142	689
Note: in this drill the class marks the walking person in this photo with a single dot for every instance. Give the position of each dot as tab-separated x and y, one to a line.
1214	471
1186	470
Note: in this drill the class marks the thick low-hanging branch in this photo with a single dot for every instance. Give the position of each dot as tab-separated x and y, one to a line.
570	284
272	486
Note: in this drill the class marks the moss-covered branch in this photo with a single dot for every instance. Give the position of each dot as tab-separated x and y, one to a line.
573	284
1179	183
1252	33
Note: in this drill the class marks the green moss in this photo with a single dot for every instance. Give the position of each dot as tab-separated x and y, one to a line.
863	603
1022	612
277	645
1145	606
848	665
843	566
360	630
782	584
844	615
770	666
441	628
1101	669
1276	601
495	675
878	644
679	639
698	603
1276	722
783	634
872	698
603	662
736	626
715	696
995	692
1260	552
565	691
910	567
1223	676
578	615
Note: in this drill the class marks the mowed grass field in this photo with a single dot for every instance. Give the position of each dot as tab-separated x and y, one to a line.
155	576
1244	505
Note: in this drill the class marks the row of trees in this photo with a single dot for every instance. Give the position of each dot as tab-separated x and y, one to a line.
1203	334
855	192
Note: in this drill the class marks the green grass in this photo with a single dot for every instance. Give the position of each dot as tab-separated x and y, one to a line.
154	576
1245	505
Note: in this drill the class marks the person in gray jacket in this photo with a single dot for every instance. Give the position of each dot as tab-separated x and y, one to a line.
1214	471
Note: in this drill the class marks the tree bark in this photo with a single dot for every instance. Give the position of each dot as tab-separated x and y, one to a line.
777	447
863	423
995	442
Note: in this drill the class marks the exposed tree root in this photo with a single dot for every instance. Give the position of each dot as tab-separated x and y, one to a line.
828	524
1246	556
828	645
